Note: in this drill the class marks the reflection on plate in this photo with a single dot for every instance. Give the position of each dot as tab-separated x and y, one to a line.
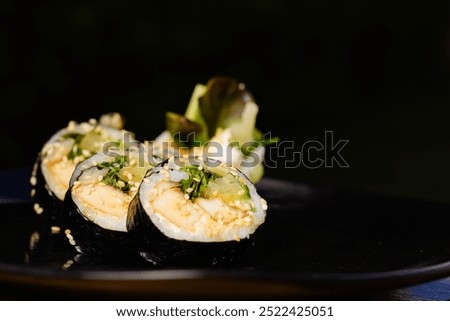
315	242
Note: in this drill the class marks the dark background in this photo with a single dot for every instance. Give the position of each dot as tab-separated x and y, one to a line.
376	73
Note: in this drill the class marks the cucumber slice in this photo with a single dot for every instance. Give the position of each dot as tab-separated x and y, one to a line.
91	141
227	188
193	111
256	173
242	130
133	173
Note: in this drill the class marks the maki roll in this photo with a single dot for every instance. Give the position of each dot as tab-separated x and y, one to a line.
101	188
59	156
194	211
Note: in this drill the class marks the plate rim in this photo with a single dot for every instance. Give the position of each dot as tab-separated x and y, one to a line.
320	280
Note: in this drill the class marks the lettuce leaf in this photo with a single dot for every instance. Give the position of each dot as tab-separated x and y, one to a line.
222	110
186	133
223	102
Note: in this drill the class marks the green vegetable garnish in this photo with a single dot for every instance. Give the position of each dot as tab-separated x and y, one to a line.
185	132
219	104
90	142
197	181
222	104
204	183
229	187
112	177
75	150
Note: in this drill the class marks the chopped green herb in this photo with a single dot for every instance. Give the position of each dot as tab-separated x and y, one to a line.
75	150
196	183
203	183
112	176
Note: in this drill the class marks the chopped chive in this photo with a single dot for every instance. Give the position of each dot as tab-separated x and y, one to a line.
112	176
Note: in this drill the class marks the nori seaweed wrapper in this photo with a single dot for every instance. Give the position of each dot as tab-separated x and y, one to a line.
88	237
42	195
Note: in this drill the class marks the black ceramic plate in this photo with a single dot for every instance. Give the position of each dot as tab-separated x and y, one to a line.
315	242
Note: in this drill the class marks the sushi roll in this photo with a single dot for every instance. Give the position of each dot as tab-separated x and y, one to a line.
96	204
59	156
194	211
